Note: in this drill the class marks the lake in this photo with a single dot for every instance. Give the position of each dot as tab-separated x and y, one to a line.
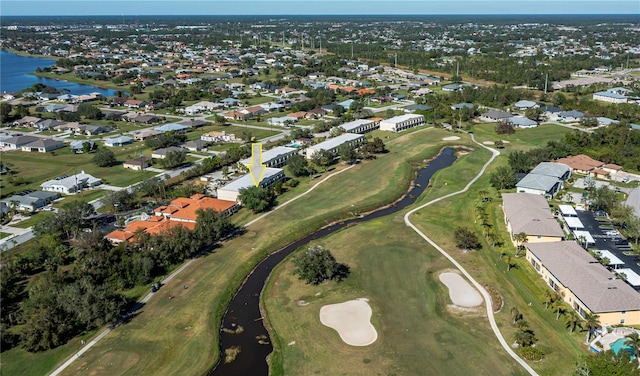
15	75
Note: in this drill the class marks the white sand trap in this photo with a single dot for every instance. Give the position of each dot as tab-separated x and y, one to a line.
352	321
461	292
488	142
451	138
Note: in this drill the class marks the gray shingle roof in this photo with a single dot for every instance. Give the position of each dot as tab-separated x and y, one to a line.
556	170
591	282
539	182
530	214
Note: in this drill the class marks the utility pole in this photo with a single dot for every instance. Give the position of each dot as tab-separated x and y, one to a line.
396	60
546	78
457	69
351	50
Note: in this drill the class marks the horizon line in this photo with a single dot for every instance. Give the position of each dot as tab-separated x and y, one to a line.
329	15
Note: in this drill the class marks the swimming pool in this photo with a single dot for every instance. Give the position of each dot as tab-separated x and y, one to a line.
619	345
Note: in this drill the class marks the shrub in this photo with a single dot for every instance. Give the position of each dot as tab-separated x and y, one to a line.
531	353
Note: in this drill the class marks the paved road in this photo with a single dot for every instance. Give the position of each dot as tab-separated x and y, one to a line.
485	294
633	200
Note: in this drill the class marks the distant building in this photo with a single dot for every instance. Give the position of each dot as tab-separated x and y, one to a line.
332	144
401	123
71	184
231	191
276	157
531	214
360	126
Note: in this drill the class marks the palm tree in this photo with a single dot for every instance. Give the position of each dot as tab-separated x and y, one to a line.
592	322
522	325
515	314
548	298
573	321
510	261
633	340
520	238
558	306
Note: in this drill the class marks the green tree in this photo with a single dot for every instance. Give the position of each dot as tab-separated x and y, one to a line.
602	198
519	161
316	265
104	158
591	323
633	340
5	111
323	158
89	111
520	238
347	153
466	239
503	178
607	363
257	199
173	159
505	127
298	165
573	321
499	144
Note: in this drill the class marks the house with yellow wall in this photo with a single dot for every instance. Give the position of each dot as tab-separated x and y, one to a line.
531	214
583	283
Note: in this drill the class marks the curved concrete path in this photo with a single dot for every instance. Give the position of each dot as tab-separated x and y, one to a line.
485	294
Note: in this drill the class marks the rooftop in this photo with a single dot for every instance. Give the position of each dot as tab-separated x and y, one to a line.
591	282
530	214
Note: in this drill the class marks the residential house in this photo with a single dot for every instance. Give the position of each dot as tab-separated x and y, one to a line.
402	122
569	116
460	106
17	142
42	145
195	145
30	201
118	141
522	122
494	115
47	124
282	120
584	283
581	164
172	127
545	179
276	157
610	97
193	123
144	134
162	153
360	126
231	191
78	145
27	121
530	214
524	105
133	103
71	184
137	164
332	144
185	209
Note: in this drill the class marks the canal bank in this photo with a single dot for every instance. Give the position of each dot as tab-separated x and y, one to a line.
253	341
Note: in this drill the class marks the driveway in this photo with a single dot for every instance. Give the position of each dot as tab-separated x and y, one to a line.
633	200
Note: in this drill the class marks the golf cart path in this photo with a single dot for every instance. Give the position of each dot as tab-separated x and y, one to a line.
485	294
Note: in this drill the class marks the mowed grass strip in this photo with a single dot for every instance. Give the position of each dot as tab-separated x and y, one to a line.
417	333
180	336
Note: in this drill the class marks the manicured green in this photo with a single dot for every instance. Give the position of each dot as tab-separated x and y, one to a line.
4	235
33	219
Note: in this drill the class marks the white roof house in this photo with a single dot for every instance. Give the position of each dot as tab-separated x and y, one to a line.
334	143
118	141
276	157
360	126
401	123
71	184
556	170
539	185
522	122
231	191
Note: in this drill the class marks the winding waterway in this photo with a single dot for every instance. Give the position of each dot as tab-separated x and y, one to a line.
244	309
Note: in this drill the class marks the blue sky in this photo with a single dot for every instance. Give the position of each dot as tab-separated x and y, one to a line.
313	7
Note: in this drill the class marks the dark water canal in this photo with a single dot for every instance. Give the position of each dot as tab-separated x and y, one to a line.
244	309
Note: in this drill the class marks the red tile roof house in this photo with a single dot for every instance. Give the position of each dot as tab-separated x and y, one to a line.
133	103
182	211
581	163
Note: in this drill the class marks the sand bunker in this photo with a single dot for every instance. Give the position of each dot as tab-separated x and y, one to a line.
461	292
488	143
451	138
351	320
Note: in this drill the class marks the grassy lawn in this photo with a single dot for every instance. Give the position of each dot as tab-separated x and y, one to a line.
523	139
32	220
398	273
234	129
72	77
36	168
4	235
84	196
